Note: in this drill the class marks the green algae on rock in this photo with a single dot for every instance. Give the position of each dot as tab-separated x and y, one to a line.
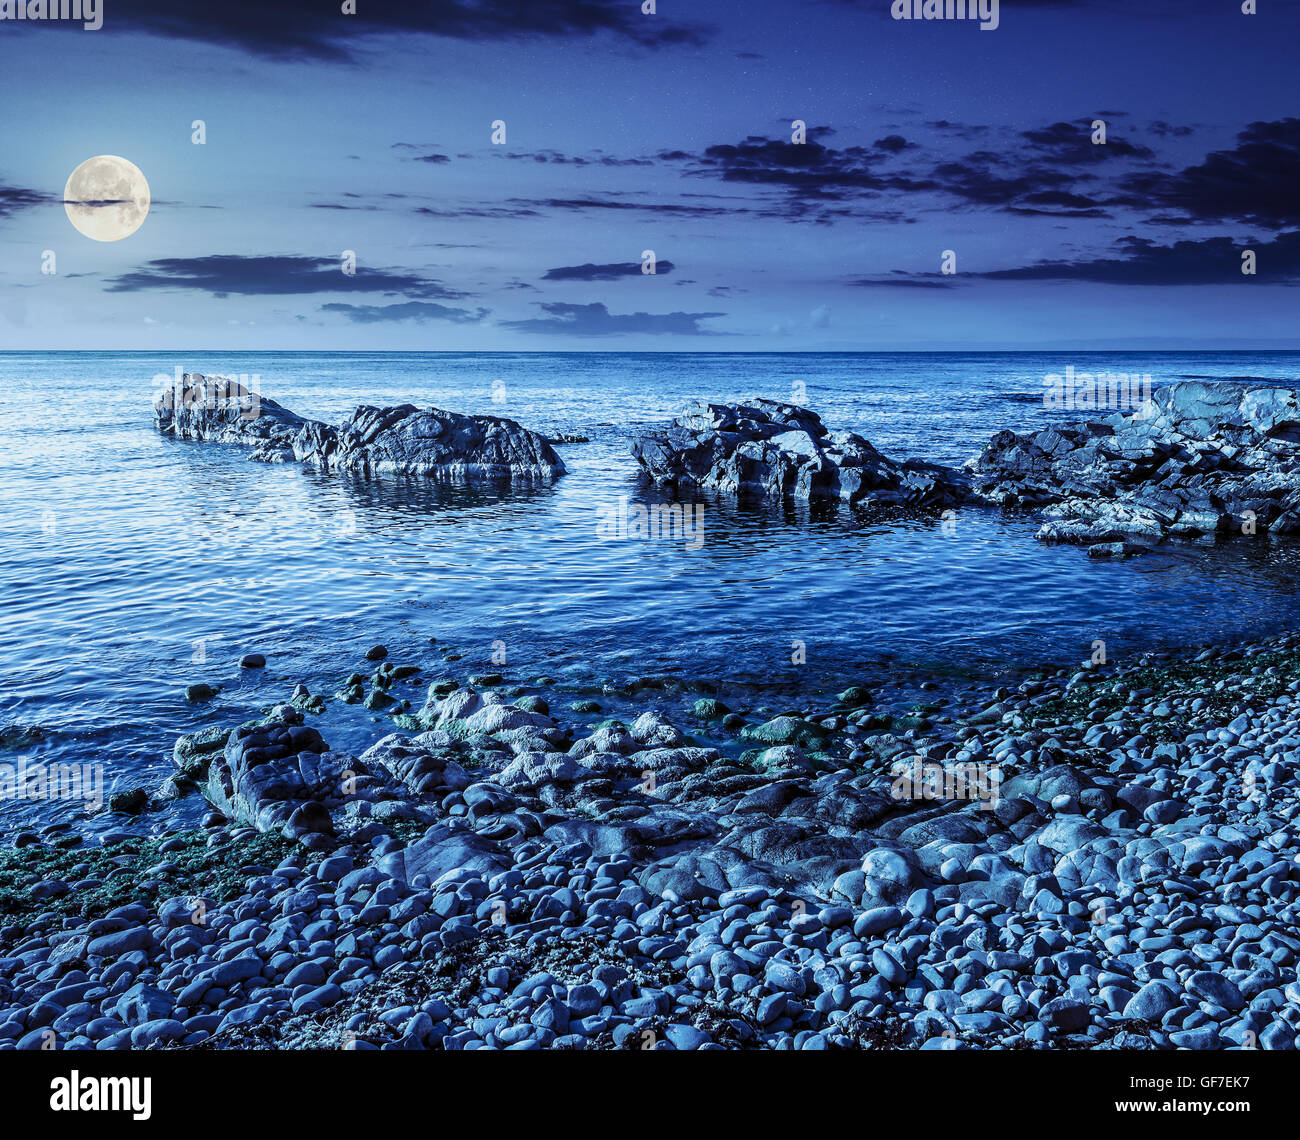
128	872
785	729
194	751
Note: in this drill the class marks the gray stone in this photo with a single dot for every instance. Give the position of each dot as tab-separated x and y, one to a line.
1152	1002
779	450
1069	1015
1217	989
400	440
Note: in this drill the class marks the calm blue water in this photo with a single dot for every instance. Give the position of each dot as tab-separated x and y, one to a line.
132	564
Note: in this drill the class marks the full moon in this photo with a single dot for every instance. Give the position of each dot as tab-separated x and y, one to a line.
107	198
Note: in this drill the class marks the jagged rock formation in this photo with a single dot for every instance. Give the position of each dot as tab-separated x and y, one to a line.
401	440
776	449
278	775
687	811
1196	460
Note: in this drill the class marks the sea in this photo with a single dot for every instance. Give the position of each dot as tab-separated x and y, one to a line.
133	564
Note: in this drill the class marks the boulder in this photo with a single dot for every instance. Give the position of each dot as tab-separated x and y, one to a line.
426	769
443	850
279	775
400	440
1196	460
218	409
777	450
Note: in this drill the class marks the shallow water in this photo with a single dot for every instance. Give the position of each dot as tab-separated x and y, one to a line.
132	564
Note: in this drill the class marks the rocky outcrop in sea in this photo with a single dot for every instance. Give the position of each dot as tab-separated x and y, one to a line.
1195	461
400	440
775	449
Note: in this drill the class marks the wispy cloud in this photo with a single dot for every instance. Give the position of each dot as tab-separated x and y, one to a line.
1140	261
226	274
314	30
16	198
597	320
613	272
420	312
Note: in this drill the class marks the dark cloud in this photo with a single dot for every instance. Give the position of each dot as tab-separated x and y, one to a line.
967	131
1060	203
1060	173
556	158
809	170
318	29
1071	144
630	203
818	180
907	281
496	213
893	144
1140	261
1168	130
597	320
613	272
422	153
1256	181
419	311
1053	170
226	274
987	179
1136	261
15	198
358	201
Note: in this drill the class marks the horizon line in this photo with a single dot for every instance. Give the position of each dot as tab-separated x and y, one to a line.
634	352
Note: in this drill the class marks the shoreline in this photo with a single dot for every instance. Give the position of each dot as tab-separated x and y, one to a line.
899	686
828	913
1103	855
138	741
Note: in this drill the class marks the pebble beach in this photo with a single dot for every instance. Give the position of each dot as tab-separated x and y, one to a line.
681	871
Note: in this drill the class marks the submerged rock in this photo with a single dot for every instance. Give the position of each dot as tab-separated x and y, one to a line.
400	440
131	802
775	449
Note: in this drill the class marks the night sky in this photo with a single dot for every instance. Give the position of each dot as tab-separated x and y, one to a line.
671	132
